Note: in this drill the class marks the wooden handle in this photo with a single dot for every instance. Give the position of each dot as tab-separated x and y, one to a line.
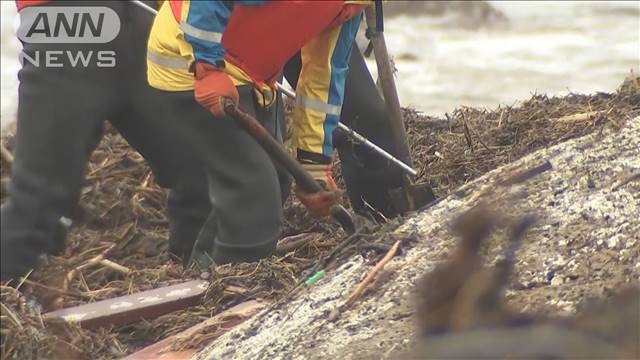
303	179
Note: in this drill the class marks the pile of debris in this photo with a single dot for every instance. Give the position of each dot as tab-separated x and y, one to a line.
470	142
26	336
117	245
579	204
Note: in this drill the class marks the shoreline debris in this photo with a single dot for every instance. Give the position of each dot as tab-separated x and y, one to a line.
121	204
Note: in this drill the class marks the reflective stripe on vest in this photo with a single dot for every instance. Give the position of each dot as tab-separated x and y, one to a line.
199	33
318	105
168	61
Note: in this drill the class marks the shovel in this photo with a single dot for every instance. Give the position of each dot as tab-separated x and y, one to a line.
303	179
410	196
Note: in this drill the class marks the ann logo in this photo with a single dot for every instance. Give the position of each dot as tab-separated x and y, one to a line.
68	24
42	25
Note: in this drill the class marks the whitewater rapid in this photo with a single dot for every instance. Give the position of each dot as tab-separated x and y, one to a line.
546	47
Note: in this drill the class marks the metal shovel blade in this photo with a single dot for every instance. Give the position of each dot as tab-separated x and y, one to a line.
411	197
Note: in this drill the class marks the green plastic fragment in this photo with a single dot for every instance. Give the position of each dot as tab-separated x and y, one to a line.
315	277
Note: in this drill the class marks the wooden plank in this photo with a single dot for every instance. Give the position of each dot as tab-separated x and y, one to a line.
126	309
209	329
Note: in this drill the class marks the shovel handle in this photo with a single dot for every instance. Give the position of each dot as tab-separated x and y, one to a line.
303	179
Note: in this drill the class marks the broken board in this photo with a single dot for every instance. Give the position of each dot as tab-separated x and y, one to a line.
211	329
126	309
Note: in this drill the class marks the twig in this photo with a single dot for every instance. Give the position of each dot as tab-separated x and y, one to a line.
624	182
524	175
68	279
374	247
115	266
24	279
54	290
375	211
145	181
101	166
343	244
327	259
100	259
93	261
6	154
98	247
500	120
14	319
370	276
294	242
578	117
83	283
94	293
470	129
467	135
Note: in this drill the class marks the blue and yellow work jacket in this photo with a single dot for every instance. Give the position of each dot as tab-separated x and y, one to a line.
254	39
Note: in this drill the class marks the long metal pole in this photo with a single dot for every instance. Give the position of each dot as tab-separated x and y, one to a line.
145	6
361	139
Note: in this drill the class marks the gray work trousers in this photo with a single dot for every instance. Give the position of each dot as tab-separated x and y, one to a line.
246	188
60	120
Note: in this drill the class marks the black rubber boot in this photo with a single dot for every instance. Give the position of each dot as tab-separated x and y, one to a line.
188	210
202	253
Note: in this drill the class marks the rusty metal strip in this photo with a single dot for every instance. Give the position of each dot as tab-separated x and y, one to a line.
126	309
226	320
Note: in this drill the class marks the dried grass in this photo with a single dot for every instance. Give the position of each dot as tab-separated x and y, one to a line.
471	142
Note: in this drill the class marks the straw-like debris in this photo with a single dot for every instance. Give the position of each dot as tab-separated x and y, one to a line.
121	217
470	142
26	336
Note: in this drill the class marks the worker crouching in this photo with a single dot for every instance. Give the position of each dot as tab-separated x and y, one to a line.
203	52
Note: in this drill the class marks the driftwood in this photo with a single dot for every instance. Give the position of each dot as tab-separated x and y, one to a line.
189	341
371	276
589	115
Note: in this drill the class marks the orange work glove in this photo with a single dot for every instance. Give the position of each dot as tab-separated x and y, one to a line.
212	86
322	173
320	204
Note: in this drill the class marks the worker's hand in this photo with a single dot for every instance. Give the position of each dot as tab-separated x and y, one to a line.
212	86
320	204
322	173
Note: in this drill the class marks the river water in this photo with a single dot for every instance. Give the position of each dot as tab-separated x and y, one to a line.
545	47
